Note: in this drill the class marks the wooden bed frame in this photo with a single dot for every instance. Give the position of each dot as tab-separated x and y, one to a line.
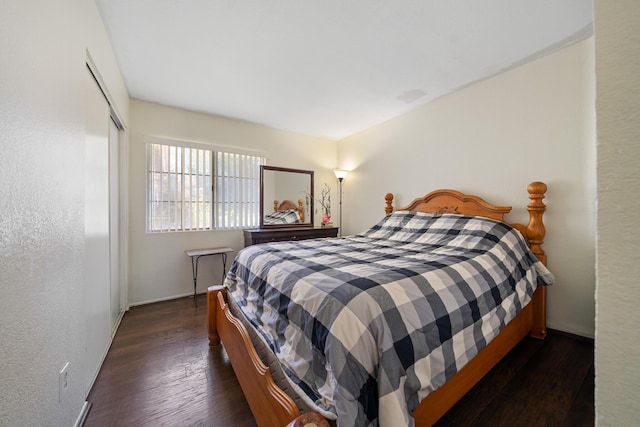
273	407
300	208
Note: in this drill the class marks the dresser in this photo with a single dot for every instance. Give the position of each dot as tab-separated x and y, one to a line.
265	235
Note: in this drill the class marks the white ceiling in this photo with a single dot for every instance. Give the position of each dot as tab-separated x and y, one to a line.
328	68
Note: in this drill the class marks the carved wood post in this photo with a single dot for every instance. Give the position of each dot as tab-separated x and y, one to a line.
388	198
535	233
301	209
212	301
535	228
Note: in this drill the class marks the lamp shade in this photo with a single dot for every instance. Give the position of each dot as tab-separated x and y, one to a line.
340	174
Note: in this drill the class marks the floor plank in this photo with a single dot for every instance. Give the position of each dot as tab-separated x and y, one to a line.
160	371
539	383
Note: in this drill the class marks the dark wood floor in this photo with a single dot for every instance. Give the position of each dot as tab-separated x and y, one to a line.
160	371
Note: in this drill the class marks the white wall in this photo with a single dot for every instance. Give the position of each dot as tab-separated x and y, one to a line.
533	123
43	45
159	268
618	271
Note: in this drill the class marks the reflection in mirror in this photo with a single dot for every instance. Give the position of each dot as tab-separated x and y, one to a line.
279	186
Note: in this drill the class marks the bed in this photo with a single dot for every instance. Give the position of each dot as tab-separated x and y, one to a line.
285	213
392	397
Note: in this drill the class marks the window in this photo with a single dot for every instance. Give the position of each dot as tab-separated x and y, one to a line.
192	188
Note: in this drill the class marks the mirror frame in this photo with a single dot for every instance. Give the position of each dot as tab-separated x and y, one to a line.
308	222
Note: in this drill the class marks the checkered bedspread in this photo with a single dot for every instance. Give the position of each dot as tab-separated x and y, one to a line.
368	325
289	216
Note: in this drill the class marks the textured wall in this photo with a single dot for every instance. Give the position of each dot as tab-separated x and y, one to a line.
535	122
43	46
618	269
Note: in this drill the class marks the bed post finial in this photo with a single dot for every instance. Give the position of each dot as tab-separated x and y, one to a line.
301	209
388	198
535	228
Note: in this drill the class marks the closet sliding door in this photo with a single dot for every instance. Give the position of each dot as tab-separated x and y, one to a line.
97	280
114	225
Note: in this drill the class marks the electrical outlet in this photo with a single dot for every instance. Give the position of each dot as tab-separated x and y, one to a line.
63	381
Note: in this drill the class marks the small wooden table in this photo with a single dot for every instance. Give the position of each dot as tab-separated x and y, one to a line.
196	254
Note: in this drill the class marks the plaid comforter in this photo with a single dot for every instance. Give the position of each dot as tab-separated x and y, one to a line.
289	216
368	325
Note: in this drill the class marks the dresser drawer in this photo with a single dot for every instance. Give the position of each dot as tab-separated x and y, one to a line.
253	237
257	240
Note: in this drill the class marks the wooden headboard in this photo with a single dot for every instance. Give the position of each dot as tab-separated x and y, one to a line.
300	208
455	202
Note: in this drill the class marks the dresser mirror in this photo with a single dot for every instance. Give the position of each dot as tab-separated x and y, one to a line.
278	185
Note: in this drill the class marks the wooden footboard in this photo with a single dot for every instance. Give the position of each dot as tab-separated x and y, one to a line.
269	404
272	407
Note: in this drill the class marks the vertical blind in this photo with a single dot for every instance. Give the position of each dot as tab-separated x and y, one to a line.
237	189
182	196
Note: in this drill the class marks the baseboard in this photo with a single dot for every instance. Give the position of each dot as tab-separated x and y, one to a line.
590	334
114	330
572	335
165	299
83	414
117	325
